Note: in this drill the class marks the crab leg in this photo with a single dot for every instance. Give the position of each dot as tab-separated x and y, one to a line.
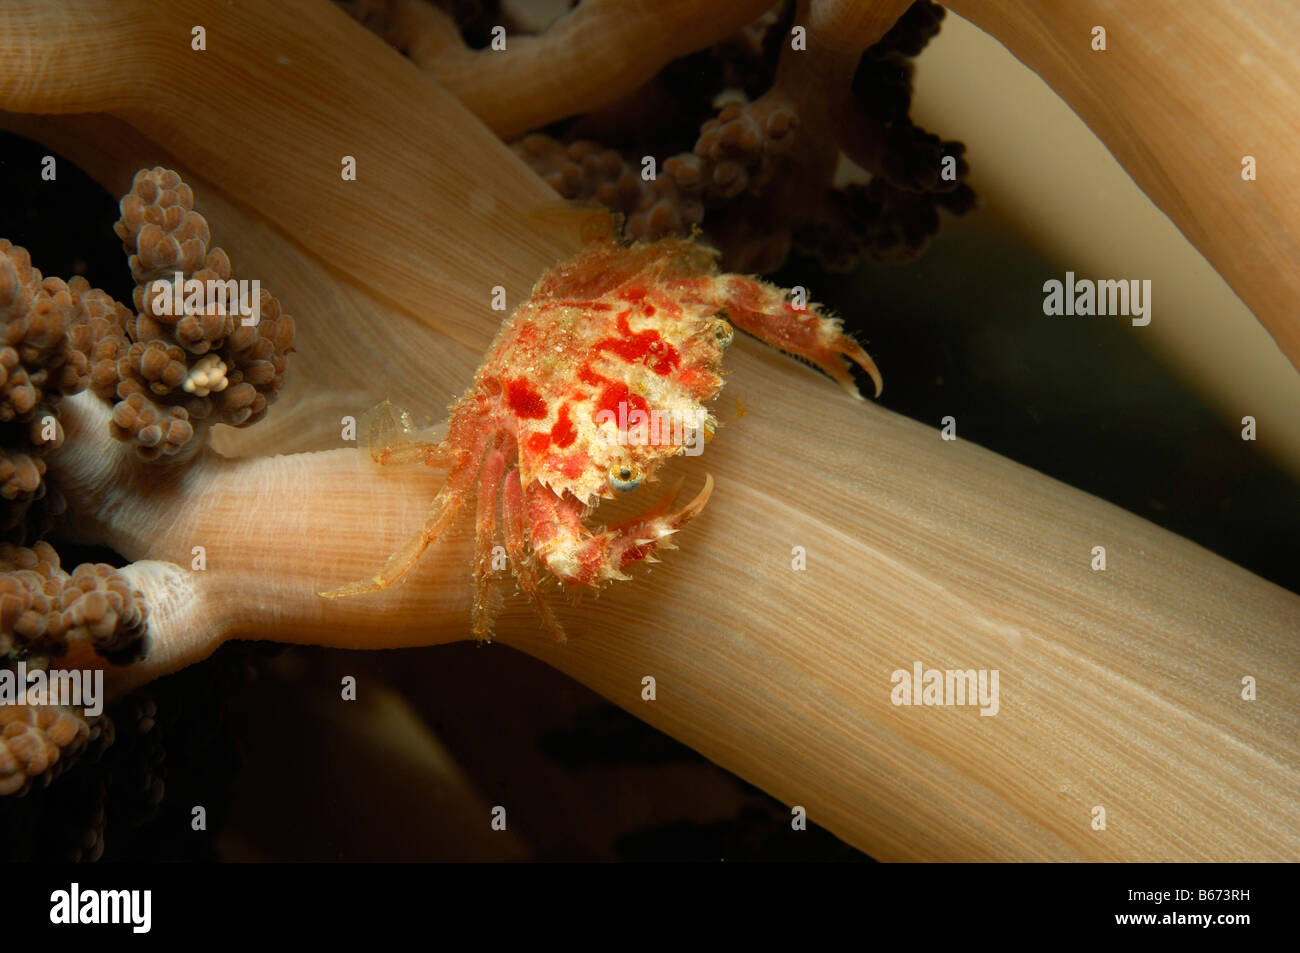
489	494
762	310
445	507
577	558
383	428
413	451
516	537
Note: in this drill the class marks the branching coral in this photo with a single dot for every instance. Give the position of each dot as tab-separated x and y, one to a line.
921	549
764	170
38	741
759	172
48	329
186	356
172	366
160	371
51	330
768	166
131	785
43	609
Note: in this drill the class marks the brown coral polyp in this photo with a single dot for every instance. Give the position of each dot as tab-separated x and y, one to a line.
48	334
771	124
34	740
44	609
151	367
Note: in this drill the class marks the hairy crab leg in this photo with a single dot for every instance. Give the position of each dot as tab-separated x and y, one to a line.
413	451
580	559
516	539
383	430
489	495
445	507
762	310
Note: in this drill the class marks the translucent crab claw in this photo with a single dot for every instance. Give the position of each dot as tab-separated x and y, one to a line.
592	560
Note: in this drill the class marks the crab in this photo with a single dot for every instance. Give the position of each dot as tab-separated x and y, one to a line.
592	384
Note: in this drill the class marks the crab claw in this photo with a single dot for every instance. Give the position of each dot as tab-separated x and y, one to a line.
845	345
592	560
805	331
637	538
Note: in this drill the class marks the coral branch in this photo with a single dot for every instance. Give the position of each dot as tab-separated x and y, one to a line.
600	52
829	78
906	568
47	614
154	373
195	351
38	741
1195	91
46	330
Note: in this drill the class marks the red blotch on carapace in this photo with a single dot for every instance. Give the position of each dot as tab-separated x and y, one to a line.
525	401
612	394
571	465
645	346
564	433
616	393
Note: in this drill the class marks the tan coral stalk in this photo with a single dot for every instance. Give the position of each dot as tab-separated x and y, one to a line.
1184	92
1120	689
785	676
600	52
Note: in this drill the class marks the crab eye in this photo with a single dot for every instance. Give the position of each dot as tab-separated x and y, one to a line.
625	477
722	332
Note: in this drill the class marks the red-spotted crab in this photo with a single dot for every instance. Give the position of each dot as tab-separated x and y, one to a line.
598	378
